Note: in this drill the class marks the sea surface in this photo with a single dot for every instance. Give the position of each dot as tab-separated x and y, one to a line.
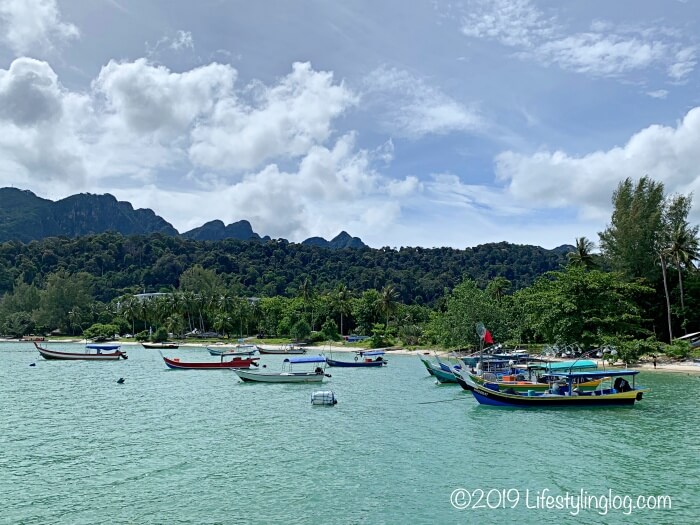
201	447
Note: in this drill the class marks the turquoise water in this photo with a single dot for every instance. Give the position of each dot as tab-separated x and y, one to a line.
193	447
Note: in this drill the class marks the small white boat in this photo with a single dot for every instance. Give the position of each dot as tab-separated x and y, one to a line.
287	376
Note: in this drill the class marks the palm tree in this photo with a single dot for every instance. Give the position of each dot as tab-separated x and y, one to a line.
306	292
582	256
340	301
662	258
498	287
388	301
684	249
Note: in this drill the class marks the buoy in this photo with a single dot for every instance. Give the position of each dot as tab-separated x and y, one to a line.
120	381
323	397
32	364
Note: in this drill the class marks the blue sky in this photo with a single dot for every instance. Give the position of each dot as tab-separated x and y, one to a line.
420	123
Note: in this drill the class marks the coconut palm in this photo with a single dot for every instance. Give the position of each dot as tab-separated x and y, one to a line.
388	301
684	250
498	287
341	303
582	256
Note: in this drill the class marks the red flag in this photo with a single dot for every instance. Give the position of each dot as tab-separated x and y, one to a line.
487	338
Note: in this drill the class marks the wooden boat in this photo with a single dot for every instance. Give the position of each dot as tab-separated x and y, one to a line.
240	349
284	349
236	362
362	360
287	375
93	352
566	395
167	346
440	371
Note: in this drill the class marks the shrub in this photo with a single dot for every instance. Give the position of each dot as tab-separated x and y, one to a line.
678	350
100	331
160	335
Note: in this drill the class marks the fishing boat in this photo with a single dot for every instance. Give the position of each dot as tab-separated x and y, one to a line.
363	359
287	375
93	352
441	371
564	393
284	349
240	349
167	346
235	362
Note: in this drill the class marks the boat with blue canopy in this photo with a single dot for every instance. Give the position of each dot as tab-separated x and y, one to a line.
614	390
93	352
363	359
287	375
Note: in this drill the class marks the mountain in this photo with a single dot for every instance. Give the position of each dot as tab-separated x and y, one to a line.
26	217
216	231
340	241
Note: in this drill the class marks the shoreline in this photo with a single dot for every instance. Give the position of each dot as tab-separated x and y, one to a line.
688	367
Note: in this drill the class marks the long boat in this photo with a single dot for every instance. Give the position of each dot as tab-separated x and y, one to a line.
362	360
168	346
93	352
284	349
240	349
620	393
236	362
287	375
441	371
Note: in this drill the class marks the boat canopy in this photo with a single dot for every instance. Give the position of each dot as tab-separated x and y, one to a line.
561	366
372	352
306	359
103	347
599	373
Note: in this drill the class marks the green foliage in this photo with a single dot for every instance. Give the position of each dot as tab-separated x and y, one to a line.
379	338
300	330
583	307
98	331
160	335
142	336
678	350
330	330
18	324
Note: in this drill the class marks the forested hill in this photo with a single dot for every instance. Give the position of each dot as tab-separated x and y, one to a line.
120	264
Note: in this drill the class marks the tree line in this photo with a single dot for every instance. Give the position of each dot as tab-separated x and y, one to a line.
640	289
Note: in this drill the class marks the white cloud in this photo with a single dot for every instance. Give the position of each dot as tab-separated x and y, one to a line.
284	120
666	154
33	26
413	109
659	93
511	22
182	40
605	50
145	98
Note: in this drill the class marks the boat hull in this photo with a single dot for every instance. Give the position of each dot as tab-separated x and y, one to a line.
159	346
525	386
224	365
487	396
355	364
281	351
442	376
283	377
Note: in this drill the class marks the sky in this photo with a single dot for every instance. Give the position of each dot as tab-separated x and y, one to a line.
421	123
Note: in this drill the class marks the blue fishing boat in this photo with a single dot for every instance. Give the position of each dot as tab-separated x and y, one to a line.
563	393
363	359
240	349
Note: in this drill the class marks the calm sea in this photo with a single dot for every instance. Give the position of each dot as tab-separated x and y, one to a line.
200	447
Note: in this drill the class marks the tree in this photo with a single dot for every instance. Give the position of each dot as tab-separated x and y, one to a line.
582	256
340	301
630	242
388	302
498	287
63	292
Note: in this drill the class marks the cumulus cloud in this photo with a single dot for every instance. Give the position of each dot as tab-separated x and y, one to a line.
40	125
605	50
667	154
33	26
145	98
284	120
412	108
